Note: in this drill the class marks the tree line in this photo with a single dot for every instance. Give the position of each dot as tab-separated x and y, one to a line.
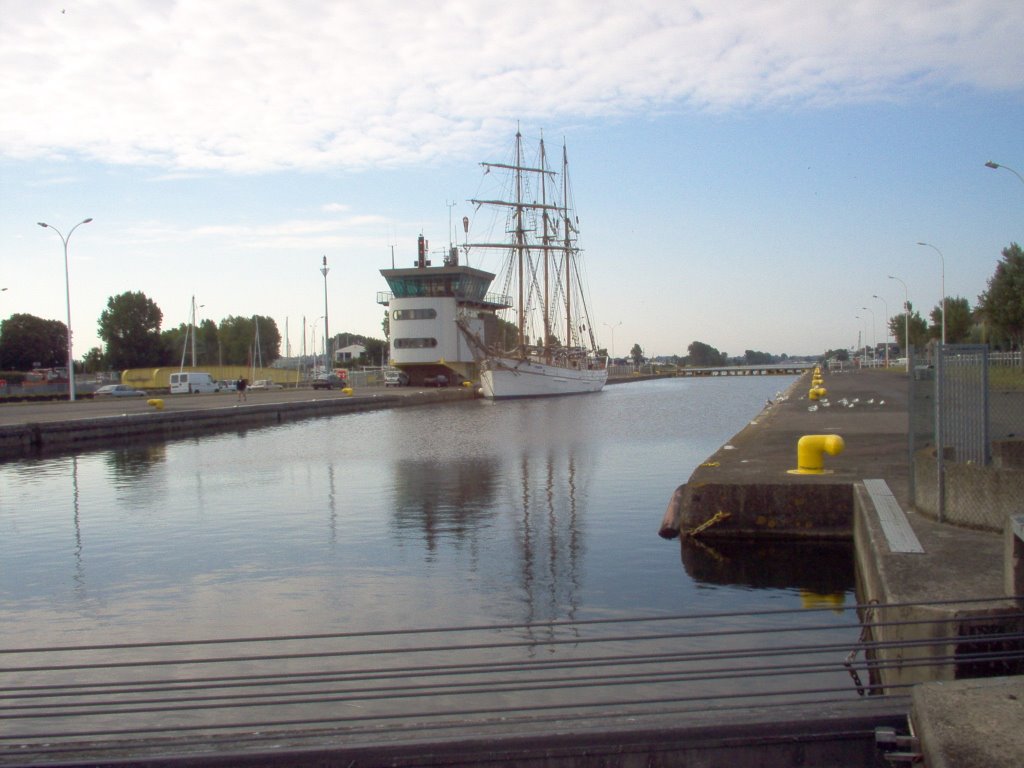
130	328
996	320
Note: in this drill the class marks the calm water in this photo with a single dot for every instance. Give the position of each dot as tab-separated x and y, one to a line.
449	515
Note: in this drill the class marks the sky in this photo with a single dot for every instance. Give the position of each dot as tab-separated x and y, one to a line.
747	174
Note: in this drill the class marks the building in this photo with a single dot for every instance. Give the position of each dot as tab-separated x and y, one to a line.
349	354
437	315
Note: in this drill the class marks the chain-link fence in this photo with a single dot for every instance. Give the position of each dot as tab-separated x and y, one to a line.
971	403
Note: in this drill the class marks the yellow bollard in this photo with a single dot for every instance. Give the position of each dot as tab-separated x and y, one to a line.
810	452
816	393
347	391
156	402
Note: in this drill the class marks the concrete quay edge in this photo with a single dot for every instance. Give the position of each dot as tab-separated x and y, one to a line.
964	723
60	427
749	480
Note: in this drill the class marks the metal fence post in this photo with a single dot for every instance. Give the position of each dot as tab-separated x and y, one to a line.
940	496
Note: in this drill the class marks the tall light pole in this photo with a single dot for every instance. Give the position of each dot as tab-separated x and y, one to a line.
942	259
324	270
313	341
67	297
874	338
885	306
990	164
864	347
612	329
906	320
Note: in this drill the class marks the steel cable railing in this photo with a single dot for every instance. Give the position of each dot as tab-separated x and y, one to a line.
53	698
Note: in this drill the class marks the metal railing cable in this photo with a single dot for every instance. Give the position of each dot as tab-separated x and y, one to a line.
484	679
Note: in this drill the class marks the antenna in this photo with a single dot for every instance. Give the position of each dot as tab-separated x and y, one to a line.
451	235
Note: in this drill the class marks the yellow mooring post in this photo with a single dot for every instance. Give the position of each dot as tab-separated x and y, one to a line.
156	402
811	450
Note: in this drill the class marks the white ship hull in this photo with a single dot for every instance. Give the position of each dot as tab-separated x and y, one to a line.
503	378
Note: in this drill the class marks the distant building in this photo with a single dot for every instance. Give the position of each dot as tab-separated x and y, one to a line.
349	354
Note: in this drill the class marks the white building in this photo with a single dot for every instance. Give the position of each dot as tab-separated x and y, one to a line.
427	304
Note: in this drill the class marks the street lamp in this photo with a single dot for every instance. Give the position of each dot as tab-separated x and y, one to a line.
943	261
67	296
990	164
313	341
874	338
324	270
612	329
906	320
865	345
885	306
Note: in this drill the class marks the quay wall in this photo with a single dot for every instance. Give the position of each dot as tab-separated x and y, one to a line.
32	438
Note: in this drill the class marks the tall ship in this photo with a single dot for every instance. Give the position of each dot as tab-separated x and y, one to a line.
549	347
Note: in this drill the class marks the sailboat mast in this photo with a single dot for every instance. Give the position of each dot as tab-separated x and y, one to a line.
547	251
568	250
520	244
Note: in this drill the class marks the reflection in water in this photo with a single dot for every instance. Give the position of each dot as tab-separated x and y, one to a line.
548	537
814	567
520	512
449	501
132	463
79	574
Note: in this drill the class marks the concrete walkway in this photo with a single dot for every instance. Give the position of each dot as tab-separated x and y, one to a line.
961	722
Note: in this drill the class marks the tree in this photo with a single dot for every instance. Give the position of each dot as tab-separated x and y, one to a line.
918	330
238	337
637	354
750	357
959	320
93	360
1002	305
376	351
704	355
130	327
27	341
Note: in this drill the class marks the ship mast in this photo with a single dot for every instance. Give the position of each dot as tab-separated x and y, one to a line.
568	251
547	254
520	241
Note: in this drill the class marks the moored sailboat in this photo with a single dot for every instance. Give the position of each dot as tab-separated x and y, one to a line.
542	268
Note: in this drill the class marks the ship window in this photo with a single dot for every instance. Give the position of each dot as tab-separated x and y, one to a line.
414	314
415	343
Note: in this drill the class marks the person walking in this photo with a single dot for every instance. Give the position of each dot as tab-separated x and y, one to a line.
240	387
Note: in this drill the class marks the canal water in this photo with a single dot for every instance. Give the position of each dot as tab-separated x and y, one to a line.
447	515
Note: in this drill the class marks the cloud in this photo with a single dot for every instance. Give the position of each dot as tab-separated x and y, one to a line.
194	86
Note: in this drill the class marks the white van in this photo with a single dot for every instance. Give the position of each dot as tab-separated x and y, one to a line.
188	383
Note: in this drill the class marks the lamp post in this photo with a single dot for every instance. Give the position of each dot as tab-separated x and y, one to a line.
324	270
874	338
312	341
864	347
885	306
990	164
612	329
942	260
67	297
906	320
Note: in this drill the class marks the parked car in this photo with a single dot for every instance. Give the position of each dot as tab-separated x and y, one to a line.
436	381
227	386
118	390
265	384
395	378
328	381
